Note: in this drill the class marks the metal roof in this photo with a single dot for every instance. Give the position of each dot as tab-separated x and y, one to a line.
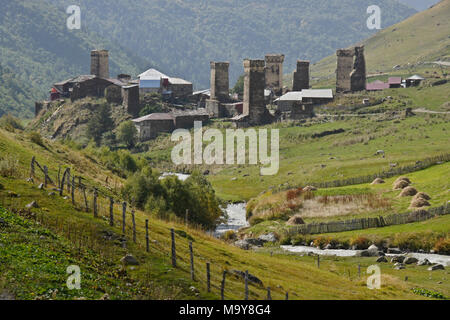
152	74
154	116
307	93
178	81
291	96
377	85
317	93
415	77
395	80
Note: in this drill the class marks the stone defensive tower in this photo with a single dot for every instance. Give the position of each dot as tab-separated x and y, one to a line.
100	63
220	83
254	83
300	79
351	70
274	72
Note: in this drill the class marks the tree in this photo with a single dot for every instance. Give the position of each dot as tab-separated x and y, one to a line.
127	134
100	123
239	86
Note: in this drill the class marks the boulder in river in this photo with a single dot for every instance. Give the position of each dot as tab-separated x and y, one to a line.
243	244
270	237
398	259
399	266
394	251
410	260
424	262
382	259
436	267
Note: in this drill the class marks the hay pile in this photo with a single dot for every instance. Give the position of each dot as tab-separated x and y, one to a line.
403	178
401	184
378	181
295	220
419	203
408	192
422	195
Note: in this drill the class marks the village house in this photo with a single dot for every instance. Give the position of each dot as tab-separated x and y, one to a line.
153	80
414	81
150	126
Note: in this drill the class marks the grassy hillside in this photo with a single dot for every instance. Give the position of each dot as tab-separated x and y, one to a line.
420	38
37	50
58	234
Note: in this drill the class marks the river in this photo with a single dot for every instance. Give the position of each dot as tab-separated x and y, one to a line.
433	258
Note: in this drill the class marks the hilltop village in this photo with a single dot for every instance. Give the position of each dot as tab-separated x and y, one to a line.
263	86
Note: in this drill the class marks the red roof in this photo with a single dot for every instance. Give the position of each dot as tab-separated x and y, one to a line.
377	85
395	80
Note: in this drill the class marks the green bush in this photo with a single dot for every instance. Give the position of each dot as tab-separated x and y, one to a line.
10	123
36	138
172	196
230	235
9	167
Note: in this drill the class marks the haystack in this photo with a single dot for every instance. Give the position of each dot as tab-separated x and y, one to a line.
295	220
422	195
419	203
378	181
401	184
403	178
408	192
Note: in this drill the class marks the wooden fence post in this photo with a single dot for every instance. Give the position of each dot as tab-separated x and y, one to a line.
133	220
68	179
146	236
174	253
222	285
59	177
32	167
95	203
269	296
318	261
287	296
61	189
124	212
246	285
191	251
45	176
73	190
111	211
359	270
85	199
208	277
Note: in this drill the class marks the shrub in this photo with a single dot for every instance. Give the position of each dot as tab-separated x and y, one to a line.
9	167
230	235
360	242
286	240
10	123
442	246
36	138
127	134
321	242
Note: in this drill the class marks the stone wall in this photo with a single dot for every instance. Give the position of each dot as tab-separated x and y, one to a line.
130	95
274	72
220	83
100	63
300	79
254	102
152	128
90	88
351	70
